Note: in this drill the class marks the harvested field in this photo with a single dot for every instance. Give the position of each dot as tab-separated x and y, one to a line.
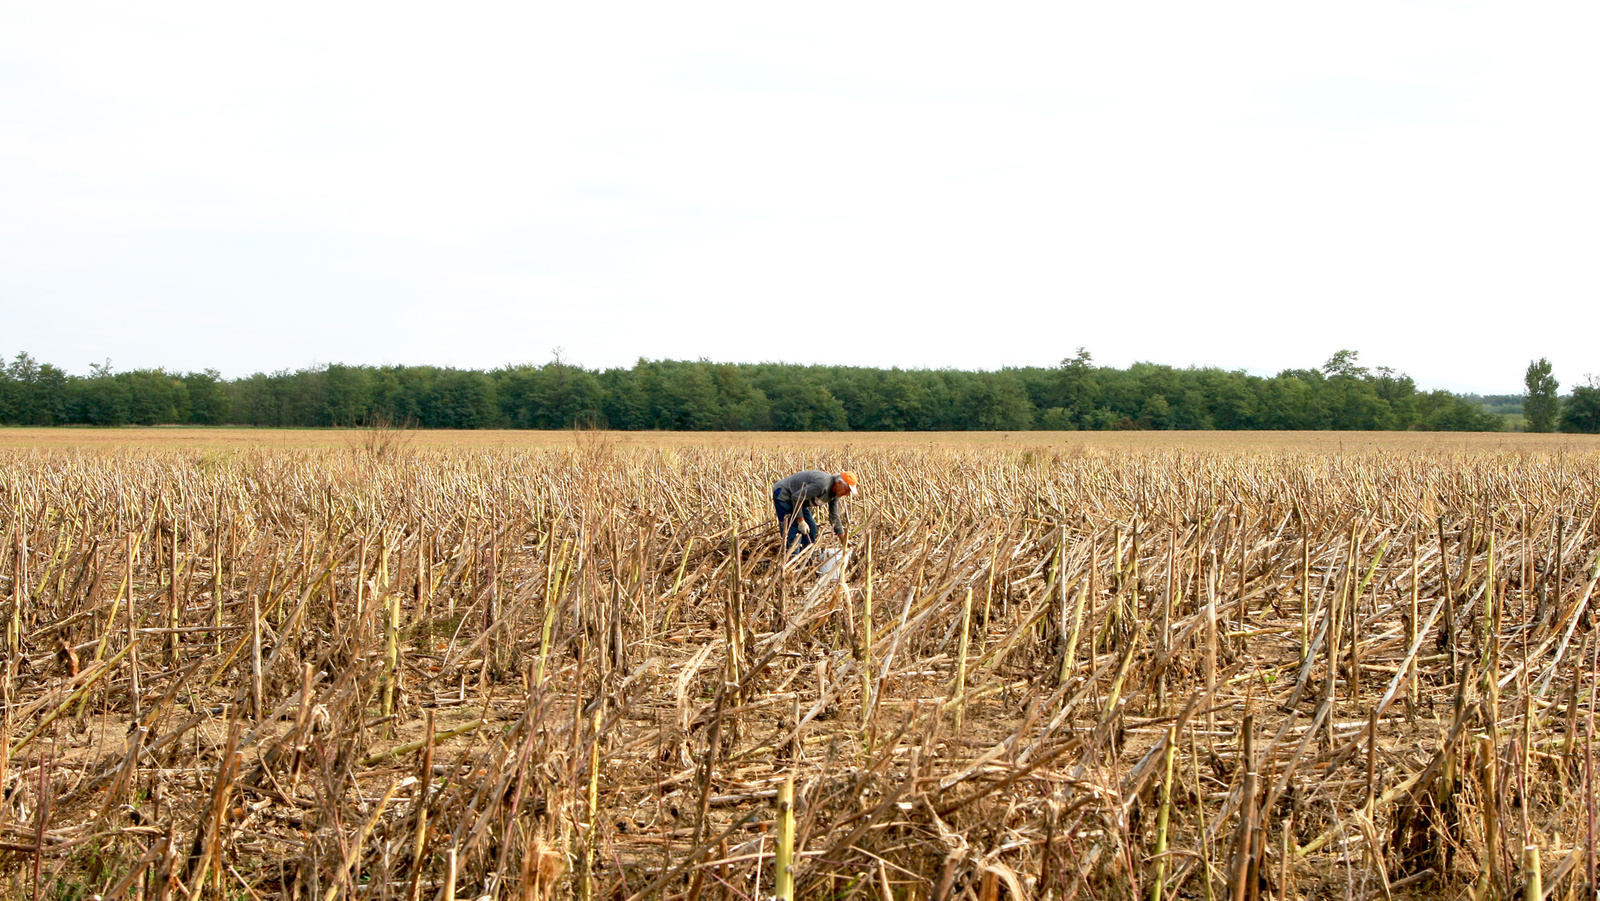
388	670
221	439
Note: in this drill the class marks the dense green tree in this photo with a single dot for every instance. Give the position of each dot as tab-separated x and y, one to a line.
251	401
1398	392
346	396
556	395
995	401
1120	395
208	398
154	397
460	399
807	406
403	394
1581	412
1077	386
627	402
941	393
37	394
853	387
281	399
901	403
743	405
686	397
1541	408
1294	399
1230	401
1156	413
101	399
1352	395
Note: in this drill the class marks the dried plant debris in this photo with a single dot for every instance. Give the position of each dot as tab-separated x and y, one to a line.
589	671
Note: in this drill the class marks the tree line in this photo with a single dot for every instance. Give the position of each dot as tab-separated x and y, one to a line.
701	395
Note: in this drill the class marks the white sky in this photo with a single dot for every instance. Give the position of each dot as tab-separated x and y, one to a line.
1247	185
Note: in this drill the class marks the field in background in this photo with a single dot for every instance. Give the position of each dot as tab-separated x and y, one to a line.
1052	666
1323	442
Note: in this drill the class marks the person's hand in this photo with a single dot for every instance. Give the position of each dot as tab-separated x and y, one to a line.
839	532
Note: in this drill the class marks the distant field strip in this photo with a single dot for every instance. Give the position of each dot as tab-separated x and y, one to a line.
176	437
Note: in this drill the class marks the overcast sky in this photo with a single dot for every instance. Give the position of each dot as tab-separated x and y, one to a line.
254	187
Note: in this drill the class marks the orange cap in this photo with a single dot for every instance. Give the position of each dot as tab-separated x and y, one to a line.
849	478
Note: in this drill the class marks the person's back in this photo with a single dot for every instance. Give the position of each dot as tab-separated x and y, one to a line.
809	487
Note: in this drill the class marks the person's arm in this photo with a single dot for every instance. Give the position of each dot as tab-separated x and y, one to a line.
833	514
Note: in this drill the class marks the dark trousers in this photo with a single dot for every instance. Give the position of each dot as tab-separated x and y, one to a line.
789	522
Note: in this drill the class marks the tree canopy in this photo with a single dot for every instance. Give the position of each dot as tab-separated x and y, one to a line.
702	395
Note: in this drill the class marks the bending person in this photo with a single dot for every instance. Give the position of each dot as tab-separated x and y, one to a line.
793	498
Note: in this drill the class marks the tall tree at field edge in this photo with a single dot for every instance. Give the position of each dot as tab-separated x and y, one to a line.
1540	406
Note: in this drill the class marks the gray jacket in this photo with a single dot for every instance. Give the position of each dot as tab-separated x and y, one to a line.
809	488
